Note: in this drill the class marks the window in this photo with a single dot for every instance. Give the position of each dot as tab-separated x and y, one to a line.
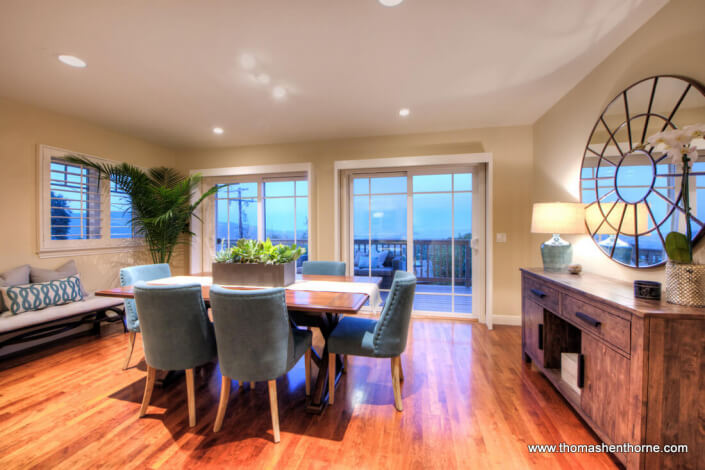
78	210
256	207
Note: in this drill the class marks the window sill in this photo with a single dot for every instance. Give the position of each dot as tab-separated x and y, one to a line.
65	252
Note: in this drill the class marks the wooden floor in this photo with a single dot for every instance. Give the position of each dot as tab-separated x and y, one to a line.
469	402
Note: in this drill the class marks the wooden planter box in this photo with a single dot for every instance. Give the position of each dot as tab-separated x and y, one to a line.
257	275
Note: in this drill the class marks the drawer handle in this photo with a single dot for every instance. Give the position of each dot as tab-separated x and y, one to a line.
588	319
538	293
541	336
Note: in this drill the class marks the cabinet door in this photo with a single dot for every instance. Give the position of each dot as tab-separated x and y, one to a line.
532	329
605	388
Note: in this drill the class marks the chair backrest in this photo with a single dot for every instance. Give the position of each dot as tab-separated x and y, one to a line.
176	331
392	327
131	276
327	268
252	331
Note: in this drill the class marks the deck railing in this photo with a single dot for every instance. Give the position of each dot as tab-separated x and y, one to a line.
432	258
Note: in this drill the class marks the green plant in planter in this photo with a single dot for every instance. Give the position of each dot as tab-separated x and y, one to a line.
678	248
258	252
677	144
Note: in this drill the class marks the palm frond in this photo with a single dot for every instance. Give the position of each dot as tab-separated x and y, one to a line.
161	202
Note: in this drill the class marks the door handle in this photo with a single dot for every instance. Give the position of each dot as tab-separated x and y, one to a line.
475	244
581	370
541	336
538	293
588	319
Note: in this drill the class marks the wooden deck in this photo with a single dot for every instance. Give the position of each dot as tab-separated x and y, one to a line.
469	402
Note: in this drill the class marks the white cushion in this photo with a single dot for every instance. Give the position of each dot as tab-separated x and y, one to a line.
88	305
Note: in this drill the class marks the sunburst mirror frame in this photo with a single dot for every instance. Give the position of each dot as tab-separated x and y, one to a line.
621	215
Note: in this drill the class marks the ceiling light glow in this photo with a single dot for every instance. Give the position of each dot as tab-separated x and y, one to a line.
404	112
263	78
218	130
390	3
72	60
279	92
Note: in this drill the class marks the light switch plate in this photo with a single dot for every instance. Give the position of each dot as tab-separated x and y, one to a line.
501	237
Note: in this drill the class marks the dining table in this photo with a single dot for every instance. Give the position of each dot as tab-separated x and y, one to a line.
313	301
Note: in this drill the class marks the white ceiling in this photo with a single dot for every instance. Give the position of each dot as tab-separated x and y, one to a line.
170	70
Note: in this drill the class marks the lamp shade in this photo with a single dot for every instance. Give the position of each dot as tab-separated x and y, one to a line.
607	220
558	217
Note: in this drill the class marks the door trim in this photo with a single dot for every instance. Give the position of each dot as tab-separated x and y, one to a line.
429	160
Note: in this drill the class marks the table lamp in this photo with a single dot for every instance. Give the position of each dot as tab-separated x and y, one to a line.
557	218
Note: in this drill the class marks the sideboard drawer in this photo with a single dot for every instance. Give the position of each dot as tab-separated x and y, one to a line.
611	328
542	293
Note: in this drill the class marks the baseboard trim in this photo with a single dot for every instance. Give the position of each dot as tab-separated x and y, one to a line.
513	320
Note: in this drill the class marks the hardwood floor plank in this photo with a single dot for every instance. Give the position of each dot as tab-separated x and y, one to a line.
469	401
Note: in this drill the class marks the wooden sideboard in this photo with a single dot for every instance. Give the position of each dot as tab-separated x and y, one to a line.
641	363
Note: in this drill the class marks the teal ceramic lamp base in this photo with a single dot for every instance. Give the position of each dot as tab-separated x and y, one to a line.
557	254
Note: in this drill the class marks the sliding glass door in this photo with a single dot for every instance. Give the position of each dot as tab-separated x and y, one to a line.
380	227
424	221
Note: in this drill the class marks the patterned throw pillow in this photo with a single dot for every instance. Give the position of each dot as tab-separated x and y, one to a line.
37	296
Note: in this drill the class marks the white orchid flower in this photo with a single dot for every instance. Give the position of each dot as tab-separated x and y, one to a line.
676	143
695	130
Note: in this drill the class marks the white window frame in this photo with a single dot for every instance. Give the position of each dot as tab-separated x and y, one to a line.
200	261
49	248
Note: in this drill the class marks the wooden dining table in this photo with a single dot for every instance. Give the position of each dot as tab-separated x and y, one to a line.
318	309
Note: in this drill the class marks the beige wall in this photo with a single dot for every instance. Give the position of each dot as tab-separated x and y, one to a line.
670	43
512	153
22	129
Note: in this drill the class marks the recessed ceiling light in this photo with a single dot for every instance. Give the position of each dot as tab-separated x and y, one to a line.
263	78
279	92
390	3
403	112
218	130
73	61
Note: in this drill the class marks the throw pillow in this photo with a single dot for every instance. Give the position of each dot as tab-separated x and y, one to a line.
379	259
62	272
13	277
37	296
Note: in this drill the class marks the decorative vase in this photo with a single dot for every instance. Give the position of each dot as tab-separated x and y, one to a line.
685	284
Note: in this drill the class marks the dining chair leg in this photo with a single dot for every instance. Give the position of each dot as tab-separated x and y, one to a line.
223	404
130	348
345	364
307	366
191	398
149	386
396	368
401	371
331	378
274	407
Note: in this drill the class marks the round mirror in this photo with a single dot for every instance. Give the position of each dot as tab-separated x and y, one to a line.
632	191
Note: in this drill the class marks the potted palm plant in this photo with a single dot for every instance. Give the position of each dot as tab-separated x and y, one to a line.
257	263
685	280
161	200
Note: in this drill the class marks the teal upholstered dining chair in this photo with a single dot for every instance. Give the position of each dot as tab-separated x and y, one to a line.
129	277
176	333
256	343
327	268
385	337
